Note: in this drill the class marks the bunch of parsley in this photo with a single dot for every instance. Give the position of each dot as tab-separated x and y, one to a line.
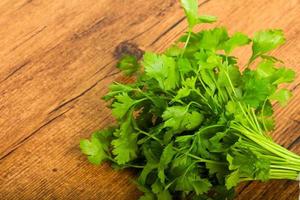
192	123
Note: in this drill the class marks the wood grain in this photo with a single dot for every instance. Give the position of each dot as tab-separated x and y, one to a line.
56	60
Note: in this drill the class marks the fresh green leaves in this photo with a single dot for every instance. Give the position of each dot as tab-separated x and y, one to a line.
261	84
283	75
213	39
162	69
191	11
125	145
192	182
237	40
122	105
179	118
192	123
256	90
232	179
268	70
282	96
128	64
219	39
265	41
207	19
97	148
165	159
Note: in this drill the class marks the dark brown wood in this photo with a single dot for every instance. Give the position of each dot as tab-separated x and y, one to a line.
56	62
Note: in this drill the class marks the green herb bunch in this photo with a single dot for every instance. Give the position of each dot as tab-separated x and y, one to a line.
194	125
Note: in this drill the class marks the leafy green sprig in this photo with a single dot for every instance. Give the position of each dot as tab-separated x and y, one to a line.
192	123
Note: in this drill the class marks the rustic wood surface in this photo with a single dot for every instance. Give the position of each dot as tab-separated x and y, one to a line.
56	60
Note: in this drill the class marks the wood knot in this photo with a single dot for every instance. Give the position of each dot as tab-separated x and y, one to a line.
54	170
128	48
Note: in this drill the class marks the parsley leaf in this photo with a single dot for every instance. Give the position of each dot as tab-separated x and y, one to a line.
125	146
122	105
282	96
179	118
128	64
256	89
213	39
238	39
162	69
165	159
191	10
265	41
232	179
97	147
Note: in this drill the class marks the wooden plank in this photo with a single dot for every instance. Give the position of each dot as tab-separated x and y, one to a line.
58	61
68	52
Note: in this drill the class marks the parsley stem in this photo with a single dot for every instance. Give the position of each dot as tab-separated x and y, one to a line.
262	115
149	135
199	159
285	167
267	144
283	171
197	92
218	87
145	133
186	42
252	123
255	119
285	163
283	176
135	166
206	89
200	131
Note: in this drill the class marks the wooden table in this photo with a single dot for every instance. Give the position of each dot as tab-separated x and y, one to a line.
56	61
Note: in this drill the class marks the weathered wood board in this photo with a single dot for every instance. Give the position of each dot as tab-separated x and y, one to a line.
56	61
